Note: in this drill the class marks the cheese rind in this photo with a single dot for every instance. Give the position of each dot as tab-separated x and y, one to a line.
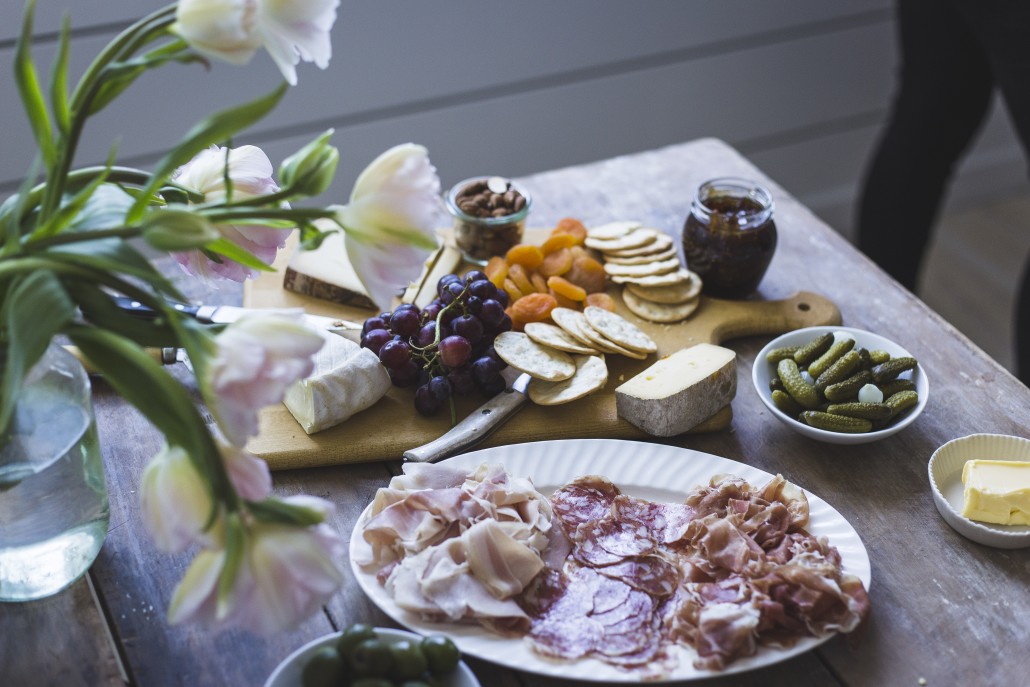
996	491
347	379
326	273
680	391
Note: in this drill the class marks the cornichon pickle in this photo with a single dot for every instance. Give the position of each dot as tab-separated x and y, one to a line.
823	362
895	385
800	390
783	401
848	389
901	401
884	372
777	354
813	349
865	359
879	356
868	411
836	423
839	371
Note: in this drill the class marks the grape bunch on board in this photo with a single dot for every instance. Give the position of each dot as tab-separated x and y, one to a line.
446	348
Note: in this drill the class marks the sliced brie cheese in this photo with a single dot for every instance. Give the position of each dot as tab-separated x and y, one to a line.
996	491
347	379
679	391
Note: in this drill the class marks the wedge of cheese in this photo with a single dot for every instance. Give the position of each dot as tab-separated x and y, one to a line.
996	491
326	273
679	391
347	379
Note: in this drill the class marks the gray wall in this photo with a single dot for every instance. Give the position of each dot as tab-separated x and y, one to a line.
800	87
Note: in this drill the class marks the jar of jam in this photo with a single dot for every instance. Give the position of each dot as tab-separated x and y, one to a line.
729	237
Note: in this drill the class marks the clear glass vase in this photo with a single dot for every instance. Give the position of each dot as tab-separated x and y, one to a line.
53	495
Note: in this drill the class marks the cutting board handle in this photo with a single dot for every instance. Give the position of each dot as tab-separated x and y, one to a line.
731	319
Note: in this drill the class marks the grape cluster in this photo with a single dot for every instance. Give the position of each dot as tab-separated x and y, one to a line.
446	348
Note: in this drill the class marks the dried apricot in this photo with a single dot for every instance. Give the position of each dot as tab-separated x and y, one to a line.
600	300
570	225
557	263
558	241
566	288
496	270
534	307
586	273
513	291
565	302
525	254
520	277
539	282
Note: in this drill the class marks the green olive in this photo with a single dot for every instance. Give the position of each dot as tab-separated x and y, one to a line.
371	658
441	654
351	637
372	682
325	668
408	660
415	683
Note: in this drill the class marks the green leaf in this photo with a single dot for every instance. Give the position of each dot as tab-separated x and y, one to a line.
228	249
70	209
105	207
59	79
98	309
14	209
35	309
115	256
28	87
174	229
118	76
216	128
278	511
235	544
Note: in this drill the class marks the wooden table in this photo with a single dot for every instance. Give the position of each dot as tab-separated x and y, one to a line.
944	609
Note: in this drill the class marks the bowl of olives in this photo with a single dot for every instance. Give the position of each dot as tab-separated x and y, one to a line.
364	656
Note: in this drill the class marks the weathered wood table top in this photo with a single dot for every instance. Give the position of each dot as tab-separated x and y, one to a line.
944	609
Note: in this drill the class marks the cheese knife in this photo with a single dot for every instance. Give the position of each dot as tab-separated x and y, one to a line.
479	424
224	314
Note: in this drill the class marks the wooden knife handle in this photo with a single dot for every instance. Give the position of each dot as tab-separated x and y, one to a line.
471	430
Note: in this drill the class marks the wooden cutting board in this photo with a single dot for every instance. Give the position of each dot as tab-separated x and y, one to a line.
392	426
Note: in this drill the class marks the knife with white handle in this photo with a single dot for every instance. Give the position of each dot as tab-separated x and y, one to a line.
478	425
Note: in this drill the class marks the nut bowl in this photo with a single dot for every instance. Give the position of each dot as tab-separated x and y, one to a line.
763	372
288	673
945	473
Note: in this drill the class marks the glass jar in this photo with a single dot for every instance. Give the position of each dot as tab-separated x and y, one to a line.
53	495
730	237
489	216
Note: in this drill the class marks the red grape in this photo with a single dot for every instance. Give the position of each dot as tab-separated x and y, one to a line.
455	351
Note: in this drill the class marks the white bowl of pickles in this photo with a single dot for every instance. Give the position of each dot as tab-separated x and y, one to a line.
840	385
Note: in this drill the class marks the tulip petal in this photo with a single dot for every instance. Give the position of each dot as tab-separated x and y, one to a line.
385	271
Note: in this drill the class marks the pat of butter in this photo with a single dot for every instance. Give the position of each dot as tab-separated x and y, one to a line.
997	491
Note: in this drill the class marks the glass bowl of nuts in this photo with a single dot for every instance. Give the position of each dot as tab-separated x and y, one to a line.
489	216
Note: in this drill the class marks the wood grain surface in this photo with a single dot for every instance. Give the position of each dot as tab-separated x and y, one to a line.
944	609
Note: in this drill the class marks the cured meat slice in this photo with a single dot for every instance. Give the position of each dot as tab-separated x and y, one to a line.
652	575
666	522
582	500
607	541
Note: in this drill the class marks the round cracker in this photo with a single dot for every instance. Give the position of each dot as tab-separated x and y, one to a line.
618	329
671	294
526	355
634	239
613	230
641	259
554	336
644	270
591	375
677	277
573	322
662	241
608	346
663	313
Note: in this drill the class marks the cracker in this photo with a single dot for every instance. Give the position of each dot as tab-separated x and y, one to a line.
634	239
591	375
618	329
677	277
612	230
640	259
671	294
664	313
662	241
573	322
550	335
526	355
644	270
606	345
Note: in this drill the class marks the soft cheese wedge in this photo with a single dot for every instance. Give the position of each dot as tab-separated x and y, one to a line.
347	379
997	491
326	273
679	391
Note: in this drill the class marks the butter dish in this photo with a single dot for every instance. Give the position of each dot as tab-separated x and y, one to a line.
945	473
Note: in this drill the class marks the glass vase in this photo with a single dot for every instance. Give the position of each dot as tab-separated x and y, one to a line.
53	495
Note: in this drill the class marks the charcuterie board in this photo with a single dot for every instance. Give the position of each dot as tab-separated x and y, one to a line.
392	426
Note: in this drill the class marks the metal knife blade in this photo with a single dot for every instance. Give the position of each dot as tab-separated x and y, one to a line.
479	424
224	314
